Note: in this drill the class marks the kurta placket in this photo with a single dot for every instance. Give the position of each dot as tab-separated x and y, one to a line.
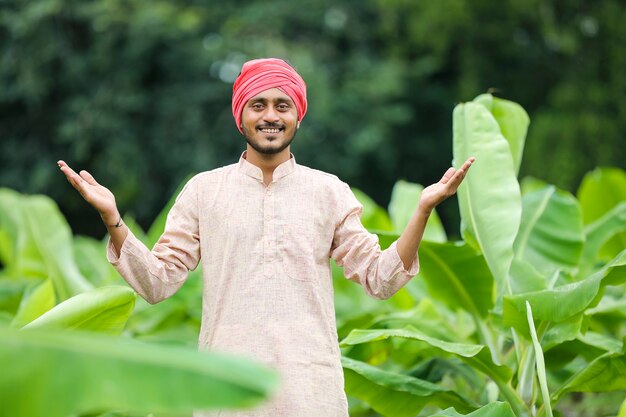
267	290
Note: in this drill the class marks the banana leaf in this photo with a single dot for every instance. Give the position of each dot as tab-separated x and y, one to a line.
105	309
489	197
55	374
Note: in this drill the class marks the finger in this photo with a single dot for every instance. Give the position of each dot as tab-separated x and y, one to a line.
461	172
71	176
88	177
468	163
446	177
458	177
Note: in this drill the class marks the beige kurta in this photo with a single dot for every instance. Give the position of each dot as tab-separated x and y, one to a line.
267	281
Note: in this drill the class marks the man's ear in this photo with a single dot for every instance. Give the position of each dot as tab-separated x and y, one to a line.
298	125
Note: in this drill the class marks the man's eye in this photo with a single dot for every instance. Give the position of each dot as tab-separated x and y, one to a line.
257	106
282	107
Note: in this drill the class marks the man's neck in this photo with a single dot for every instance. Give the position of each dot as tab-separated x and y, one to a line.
267	162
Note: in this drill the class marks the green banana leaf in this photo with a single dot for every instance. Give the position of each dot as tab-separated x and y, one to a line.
458	276
539	362
35	302
599	192
55	374
551	231
92	262
513	121
496	409
11	293
600	231
18	250
158	225
396	395
489	197
605	373
53	239
104	309
405	198
472	353
10	222
478	357
374	217
565	301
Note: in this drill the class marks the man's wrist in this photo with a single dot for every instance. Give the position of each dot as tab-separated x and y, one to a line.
423	212
113	219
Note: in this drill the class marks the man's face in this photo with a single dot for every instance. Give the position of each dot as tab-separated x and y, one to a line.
269	121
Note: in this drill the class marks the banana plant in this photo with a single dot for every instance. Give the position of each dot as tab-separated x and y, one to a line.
526	309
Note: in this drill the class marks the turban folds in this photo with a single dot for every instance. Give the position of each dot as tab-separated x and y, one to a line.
262	74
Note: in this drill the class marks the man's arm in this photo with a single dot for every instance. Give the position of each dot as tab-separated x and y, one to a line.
158	273
431	197
102	200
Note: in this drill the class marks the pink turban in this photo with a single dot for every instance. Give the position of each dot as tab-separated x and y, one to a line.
262	74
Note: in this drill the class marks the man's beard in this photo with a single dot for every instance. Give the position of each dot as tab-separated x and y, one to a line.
268	150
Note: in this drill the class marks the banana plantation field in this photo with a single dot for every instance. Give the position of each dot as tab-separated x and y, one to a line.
525	316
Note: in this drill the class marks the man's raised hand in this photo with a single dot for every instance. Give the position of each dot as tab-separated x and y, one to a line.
447	186
95	194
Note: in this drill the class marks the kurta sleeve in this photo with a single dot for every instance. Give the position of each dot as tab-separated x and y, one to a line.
380	272
158	274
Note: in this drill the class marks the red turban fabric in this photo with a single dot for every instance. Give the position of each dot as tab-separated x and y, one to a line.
262	74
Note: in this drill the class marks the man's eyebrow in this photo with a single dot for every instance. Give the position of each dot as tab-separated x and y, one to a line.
276	100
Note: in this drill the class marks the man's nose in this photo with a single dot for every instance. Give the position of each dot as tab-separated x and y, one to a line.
271	115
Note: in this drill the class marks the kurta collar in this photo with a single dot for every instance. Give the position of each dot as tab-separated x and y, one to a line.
254	171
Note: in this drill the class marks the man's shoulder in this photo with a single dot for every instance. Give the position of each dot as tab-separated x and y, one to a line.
321	177
213	174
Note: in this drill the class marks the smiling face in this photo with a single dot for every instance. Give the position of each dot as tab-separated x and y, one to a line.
270	121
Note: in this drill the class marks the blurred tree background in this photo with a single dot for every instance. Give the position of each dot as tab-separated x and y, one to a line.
138	91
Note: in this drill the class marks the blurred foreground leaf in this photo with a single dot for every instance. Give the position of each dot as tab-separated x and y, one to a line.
56	374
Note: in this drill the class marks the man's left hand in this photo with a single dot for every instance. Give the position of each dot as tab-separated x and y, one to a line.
434	194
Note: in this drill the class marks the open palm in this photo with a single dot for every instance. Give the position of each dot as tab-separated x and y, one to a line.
95	194
434	194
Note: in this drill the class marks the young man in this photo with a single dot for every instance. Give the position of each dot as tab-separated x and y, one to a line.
264	229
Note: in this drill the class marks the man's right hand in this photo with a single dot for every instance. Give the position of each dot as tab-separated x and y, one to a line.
95	194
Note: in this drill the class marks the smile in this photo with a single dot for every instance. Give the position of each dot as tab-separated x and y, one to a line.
270	130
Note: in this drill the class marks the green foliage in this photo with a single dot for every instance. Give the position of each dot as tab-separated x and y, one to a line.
458	335
59	373
545	307
139	92
70	372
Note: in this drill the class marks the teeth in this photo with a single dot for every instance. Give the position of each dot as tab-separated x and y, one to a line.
270	130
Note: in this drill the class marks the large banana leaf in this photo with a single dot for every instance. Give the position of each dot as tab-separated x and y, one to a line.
477	356
588	346
600	191
457	275
489	197
405	198
56	374
104	309
601	230
92	262
35	302
513	121
605	373
373	217
565	301
18	250
396	395
496	409
465	351
158	225
551	232
11	293
53	238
